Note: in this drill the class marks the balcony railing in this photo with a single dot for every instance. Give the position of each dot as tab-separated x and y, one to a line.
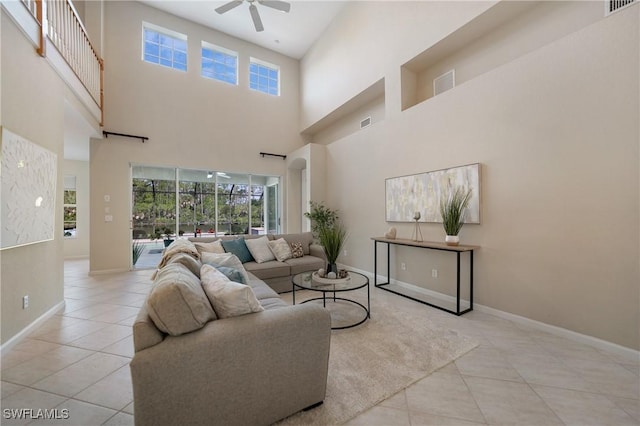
66	32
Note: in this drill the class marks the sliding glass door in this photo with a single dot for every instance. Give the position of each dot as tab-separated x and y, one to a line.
169	203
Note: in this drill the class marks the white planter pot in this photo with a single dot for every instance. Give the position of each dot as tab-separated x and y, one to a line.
452	240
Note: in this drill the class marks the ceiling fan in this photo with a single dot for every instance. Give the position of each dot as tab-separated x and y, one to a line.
282	6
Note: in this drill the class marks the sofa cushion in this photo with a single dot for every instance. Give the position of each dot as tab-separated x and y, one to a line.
273	303
306	238
177	303
259	248
187	260
229	299
261	290
306	263
229	260
238	247
280	249
212	247
270	269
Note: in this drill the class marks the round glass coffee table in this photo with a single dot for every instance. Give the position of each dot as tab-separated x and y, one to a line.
355	281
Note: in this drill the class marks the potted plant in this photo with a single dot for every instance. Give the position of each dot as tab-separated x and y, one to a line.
452	209
332	239
320	217
167	234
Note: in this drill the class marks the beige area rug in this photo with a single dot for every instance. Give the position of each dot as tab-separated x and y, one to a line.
403	342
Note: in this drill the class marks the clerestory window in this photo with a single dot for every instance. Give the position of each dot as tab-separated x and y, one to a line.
219	63
264	77
164	47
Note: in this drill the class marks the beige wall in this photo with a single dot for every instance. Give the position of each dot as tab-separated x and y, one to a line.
78	246
32	107
374	37
191	122
558	167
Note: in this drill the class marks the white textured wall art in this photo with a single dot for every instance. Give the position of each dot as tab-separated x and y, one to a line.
406	195
28	199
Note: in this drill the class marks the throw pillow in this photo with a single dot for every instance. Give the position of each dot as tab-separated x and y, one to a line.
187	260
280	249
213	247
232	273
177	303
297	250
181	245
229	299
229	260
259	248
239	248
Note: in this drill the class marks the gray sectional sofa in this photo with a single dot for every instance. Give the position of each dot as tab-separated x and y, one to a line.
278	274
252	369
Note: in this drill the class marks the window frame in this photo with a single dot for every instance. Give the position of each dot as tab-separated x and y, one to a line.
222	50
268	66
167	33
68	187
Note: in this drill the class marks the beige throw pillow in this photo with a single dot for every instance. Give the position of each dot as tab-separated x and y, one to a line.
259	248
177	304
229	260
213	247
229	299
280	249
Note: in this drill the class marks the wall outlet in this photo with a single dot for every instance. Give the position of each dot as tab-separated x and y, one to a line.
25	302
434	273
403	266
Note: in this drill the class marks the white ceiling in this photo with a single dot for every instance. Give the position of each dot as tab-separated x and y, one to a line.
291	34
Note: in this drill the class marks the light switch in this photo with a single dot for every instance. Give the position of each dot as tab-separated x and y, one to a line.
107	198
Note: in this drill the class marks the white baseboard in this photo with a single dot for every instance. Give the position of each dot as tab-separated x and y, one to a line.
79	257
623	351
31	327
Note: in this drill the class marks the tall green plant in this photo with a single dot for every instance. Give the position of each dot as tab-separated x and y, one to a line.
321	217
452	209
137	250
332	239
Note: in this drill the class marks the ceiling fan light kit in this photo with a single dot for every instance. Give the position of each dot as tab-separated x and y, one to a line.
282	6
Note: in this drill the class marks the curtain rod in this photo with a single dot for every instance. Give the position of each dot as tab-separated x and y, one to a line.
284	157
142	138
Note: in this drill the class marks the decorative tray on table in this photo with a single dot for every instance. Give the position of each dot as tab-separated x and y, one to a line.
317	279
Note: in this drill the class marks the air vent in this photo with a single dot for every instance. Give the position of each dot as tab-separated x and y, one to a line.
365	123
611	6
445	82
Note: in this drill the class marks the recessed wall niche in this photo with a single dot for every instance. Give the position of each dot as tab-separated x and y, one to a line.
503	33
363	110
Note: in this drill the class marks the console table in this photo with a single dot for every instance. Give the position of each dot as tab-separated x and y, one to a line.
431	245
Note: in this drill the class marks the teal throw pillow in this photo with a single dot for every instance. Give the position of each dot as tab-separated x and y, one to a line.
232	273
239	248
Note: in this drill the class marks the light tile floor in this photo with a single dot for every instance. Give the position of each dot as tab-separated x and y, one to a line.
79	359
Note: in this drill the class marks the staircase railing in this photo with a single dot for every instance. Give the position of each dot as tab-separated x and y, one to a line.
67	33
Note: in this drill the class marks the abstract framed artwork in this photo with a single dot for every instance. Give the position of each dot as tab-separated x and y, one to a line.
406	195
28	199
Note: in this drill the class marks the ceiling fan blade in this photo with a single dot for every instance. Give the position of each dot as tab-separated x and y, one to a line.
257	22
282	6
228	6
